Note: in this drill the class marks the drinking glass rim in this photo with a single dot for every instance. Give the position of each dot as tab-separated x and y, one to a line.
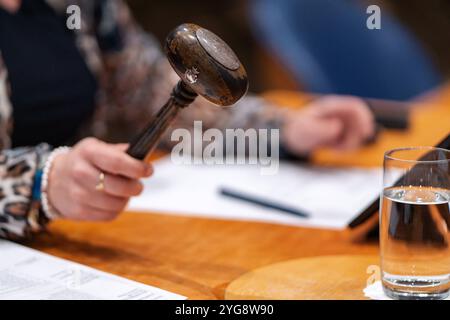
389	157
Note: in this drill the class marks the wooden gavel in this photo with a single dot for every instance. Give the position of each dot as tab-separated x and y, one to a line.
207	66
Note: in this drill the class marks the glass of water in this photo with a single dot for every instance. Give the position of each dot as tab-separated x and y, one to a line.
415	222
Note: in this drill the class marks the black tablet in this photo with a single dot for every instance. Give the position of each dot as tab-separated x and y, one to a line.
372	209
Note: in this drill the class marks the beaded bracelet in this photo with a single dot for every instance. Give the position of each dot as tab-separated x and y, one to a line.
49	211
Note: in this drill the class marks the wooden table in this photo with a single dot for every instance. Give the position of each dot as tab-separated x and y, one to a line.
198	258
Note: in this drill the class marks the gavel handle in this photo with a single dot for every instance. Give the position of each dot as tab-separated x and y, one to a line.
146	141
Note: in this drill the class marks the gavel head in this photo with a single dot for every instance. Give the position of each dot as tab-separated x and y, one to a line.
206	64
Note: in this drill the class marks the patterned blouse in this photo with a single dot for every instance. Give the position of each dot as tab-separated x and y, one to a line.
134	80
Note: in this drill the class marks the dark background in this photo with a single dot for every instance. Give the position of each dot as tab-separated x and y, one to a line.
429	20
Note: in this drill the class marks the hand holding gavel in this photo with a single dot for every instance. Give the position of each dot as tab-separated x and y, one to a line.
207	67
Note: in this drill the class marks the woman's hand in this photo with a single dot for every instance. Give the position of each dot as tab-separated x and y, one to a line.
339	122
74	176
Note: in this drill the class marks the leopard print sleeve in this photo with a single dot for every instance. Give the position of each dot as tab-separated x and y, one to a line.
20	213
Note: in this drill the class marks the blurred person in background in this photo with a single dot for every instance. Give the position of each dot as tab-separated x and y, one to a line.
329	49
62	87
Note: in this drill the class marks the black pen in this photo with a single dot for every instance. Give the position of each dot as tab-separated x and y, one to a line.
263	203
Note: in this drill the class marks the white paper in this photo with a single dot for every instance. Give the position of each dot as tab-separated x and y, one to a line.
29	274
332	197
375	292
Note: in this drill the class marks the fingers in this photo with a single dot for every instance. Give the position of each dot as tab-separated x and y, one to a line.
349	141
88	213
330	131
122	187
115	185
357	119
74	176
113	160
305	131
106	202
121	146
98	199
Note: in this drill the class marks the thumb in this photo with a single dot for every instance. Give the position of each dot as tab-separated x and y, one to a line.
121	146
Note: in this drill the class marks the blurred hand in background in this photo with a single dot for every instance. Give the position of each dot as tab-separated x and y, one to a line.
338	122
